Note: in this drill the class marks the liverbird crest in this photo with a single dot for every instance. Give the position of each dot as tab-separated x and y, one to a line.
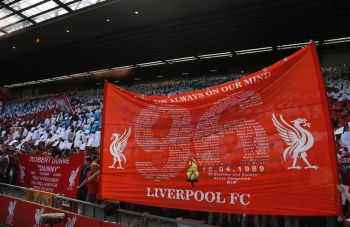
72	177
11	211
38	213
298	140
117	148
71	221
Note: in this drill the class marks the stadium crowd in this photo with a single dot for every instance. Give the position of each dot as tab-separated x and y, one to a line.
35	125
32	125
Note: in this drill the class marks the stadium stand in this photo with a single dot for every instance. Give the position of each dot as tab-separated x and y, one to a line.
34	125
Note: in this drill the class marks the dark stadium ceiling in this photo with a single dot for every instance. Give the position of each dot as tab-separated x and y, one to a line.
113	33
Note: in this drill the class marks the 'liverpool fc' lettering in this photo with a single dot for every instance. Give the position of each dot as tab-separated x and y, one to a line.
198	195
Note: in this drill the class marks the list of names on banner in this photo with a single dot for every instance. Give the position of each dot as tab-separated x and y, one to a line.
206	139
178	137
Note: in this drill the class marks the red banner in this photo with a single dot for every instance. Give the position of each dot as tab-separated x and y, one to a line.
259	145
62	103
17	212
56	175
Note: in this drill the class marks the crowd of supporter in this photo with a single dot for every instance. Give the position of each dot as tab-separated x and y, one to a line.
166	86
35	125
337	81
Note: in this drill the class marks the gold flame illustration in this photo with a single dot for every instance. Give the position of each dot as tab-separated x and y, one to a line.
192	172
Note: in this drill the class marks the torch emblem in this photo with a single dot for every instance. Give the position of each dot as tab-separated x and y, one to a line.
192	172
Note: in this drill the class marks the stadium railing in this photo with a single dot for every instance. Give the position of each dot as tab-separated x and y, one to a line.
123	217
12	190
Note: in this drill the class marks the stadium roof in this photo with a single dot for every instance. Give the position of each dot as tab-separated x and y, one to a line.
19	14
115	33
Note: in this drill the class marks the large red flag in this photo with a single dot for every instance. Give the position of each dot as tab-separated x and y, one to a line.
259	145
62	103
